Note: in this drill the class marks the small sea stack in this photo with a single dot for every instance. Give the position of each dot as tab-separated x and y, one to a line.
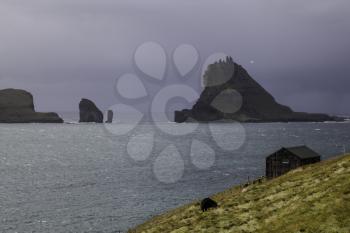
109	116
89	112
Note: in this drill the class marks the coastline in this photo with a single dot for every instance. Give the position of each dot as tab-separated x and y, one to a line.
299	201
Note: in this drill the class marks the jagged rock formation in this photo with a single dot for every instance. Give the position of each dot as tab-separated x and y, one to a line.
231	94
16	106
109	116
89	112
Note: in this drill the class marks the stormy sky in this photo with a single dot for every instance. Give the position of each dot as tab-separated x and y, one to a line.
63	50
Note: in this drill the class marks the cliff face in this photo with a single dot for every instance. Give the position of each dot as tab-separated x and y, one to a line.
16	106
231	94
89	112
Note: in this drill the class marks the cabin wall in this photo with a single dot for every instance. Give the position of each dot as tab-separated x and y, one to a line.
283	161
280	163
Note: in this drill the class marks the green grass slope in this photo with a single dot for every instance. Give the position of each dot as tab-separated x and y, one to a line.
311	199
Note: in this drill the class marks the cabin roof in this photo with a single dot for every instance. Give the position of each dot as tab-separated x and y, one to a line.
303	152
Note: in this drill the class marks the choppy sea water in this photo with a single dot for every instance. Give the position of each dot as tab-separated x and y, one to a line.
81	178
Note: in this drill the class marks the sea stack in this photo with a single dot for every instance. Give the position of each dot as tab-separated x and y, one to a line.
89	112
109	116
252	103
17	106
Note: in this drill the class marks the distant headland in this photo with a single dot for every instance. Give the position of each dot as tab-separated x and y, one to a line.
17	106
216	103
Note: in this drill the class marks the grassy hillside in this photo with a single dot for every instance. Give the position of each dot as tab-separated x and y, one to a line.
312	199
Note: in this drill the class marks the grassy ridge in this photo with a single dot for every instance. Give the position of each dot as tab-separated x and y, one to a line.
311	199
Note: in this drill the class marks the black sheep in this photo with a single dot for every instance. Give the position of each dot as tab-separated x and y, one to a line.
208	203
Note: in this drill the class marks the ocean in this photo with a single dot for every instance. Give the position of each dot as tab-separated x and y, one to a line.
87	178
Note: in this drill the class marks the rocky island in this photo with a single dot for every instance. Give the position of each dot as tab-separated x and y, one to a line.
17	106
231	94
89	112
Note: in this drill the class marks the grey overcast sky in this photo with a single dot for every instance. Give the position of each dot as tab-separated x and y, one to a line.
63	50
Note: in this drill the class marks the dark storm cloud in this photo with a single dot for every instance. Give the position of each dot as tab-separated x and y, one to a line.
62	50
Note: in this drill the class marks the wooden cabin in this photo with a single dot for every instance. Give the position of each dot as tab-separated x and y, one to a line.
286	159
